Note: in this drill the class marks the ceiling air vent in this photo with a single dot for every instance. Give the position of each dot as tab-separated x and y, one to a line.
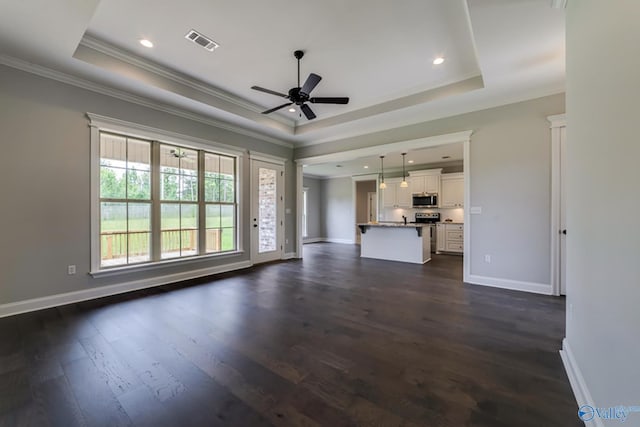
202	40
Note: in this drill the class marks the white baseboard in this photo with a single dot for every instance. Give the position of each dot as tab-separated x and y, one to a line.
25	306
314	240
578	385
289	255
516	285
343	241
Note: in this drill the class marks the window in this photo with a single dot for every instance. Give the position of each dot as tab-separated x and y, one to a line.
160	201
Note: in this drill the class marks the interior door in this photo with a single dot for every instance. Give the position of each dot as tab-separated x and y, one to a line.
372	206
267	211
563	221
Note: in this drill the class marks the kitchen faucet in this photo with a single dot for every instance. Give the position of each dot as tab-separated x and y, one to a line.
405	219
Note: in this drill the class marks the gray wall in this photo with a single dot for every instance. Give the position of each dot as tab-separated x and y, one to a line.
315	212
603	272
510	179
338	207
45	169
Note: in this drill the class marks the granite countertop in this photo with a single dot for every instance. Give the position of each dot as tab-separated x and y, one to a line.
391	224
450	222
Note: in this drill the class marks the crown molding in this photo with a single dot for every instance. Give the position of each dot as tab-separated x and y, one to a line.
59	76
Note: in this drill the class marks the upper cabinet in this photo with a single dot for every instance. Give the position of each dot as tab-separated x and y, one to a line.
426	181
452	195
395	196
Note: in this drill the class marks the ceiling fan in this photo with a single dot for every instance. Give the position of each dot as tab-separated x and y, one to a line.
300	95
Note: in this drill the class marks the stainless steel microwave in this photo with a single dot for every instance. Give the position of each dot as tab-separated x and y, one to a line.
425	200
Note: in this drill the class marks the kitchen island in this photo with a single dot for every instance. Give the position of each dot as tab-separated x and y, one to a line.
394	241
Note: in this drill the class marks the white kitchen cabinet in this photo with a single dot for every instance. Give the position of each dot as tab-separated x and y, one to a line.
440	243
452	194
426	181
395	196
450	238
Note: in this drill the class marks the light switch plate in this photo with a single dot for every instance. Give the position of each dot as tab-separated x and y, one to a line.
476	210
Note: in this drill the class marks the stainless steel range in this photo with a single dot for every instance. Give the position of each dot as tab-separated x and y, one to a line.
429	218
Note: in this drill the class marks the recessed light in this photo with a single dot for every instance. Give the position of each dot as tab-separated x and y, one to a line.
439	60
146	43
366	167
292	110
409	161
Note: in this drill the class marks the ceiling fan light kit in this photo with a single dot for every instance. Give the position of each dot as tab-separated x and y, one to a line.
300	95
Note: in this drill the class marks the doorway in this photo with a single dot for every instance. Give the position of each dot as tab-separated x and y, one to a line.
267	211
366	200
558	205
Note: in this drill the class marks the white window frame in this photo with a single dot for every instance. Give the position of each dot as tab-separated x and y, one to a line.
100	123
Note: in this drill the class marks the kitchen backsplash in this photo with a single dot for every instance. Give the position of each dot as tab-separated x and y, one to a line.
395	214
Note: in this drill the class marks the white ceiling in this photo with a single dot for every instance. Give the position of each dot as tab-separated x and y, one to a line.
378	53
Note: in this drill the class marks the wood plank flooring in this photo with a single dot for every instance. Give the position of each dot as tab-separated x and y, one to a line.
332	340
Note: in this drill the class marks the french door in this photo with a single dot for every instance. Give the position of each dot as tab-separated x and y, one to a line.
267	211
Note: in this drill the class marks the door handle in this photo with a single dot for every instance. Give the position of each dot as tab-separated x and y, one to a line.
564	231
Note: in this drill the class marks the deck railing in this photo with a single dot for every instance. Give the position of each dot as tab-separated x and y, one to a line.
114	243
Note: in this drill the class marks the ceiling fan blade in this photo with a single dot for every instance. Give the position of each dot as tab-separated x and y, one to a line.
330	100
312	81
277	108
269	91
307	112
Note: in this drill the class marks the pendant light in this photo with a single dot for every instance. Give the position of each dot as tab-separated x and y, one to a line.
404	183
382	184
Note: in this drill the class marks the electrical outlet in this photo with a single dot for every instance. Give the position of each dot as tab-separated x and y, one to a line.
487	259
71	269
286	241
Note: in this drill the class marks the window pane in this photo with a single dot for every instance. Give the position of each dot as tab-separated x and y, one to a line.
211	165
169	185
227	215
213	240
188	162
227	191
113	233
138	184
211	190
169	159
139	232
228	239
213	216
139	247
112	183
227	167
267	205
189	216
138	154
189	225
113	150
139	217
189	188
170	235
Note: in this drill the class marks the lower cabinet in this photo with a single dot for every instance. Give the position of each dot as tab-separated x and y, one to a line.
450	238
440	241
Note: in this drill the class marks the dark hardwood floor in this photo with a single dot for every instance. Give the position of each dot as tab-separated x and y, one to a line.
333	340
